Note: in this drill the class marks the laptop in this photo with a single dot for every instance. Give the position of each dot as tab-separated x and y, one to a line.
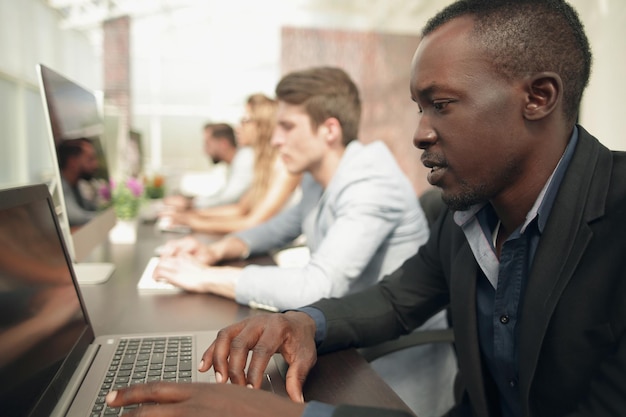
51	363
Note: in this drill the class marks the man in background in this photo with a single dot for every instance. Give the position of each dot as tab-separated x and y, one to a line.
78	162
220	145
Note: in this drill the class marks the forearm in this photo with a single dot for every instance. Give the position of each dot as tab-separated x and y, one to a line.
231	221
277	288
221	199
221	211
277	232
218	225
231	247
401	302
357	320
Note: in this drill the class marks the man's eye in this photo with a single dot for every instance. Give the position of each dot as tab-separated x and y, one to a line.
440	105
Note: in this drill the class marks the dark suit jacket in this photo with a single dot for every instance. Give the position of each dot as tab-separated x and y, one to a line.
571	332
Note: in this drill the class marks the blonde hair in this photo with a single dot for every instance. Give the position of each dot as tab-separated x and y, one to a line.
262	111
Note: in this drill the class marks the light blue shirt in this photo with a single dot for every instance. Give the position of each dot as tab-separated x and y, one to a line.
363	226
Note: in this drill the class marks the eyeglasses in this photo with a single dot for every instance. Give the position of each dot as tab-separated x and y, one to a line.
245	120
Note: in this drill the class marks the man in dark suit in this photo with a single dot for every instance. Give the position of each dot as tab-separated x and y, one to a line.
530	258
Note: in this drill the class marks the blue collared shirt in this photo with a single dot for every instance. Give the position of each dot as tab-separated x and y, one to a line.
500	289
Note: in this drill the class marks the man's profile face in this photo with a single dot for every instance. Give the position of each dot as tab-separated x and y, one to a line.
300	147
88	161
211	146
468	117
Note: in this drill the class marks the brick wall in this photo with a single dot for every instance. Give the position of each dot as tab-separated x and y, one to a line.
117	88
116	61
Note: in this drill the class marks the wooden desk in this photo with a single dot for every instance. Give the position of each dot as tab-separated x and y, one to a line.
118	307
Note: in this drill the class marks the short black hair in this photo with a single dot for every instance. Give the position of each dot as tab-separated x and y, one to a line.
222	131
529	36
70	148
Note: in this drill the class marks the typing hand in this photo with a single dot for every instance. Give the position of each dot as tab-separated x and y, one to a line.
188	274
195	399
176	203
178	218
292	334
192	247
186	245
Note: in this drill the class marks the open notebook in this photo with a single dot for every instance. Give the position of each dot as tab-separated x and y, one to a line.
51	363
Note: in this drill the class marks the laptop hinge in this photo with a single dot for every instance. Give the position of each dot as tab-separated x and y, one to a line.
65	401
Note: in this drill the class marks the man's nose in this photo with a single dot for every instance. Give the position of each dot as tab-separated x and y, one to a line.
424	134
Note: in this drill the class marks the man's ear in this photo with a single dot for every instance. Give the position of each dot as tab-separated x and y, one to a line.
332	130
544	95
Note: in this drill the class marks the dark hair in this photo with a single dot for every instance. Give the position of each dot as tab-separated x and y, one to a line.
222	131
68	149
528	36
324	92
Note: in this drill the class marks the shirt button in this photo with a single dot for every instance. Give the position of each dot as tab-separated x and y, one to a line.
504	319
512	383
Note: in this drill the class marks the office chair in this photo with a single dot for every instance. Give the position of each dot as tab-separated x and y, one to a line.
433	205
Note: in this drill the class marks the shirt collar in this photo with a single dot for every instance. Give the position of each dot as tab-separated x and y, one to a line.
547	196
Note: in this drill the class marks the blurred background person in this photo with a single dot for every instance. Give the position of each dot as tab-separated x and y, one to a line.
78	162
220	146
273	187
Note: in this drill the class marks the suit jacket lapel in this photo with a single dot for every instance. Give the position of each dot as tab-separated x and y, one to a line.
580	199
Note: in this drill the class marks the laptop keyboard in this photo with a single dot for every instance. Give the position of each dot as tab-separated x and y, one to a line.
142	360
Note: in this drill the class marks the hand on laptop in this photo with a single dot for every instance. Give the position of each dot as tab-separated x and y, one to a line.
183	400
292	334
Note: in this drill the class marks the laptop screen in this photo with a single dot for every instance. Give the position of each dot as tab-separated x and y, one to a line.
43	328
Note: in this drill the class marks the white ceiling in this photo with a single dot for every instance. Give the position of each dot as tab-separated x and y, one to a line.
89	14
